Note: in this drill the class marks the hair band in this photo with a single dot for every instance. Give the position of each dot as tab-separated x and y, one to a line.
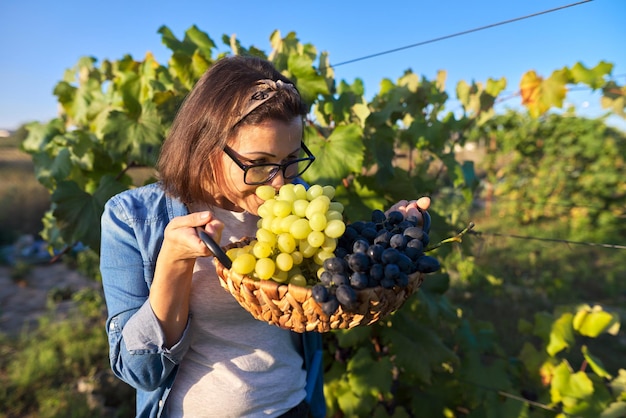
263	91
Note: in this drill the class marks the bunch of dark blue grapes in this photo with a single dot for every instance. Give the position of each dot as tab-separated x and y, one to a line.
382	252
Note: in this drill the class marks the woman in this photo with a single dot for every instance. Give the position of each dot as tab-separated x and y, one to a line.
175	335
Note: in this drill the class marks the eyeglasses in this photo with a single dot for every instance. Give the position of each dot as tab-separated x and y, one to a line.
255	174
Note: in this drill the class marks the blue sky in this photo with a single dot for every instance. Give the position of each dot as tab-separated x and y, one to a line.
39	39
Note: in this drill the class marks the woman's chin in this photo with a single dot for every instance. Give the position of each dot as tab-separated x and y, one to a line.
252	205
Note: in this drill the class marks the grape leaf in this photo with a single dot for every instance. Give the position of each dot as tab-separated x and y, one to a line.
353	337
169	40
594	77
417	348
531	357
368	376
553	88
310	83
392	188
618	385
336	156
530	90
137	140
61	165
44	169
82	149
494	87
614	98
349	402
88	100
128	85
595	363
180	66
591	322
380	151
201	39
360	200
40	134
78	212
561	335
65	93
567	384
615	410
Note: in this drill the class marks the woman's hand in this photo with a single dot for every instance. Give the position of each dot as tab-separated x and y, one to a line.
181	241
171	287
412	207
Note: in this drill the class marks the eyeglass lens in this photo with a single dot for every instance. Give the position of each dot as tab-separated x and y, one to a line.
264	173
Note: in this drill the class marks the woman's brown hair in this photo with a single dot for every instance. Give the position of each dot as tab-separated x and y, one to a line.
210	115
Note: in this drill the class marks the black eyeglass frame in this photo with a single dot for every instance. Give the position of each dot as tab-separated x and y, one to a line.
279	167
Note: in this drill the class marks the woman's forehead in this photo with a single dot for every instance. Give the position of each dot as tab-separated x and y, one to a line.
268	136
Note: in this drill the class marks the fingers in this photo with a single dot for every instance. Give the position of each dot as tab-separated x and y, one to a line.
411	208
214	228
413	211
183	241
423	202
194	219
209	223
400	206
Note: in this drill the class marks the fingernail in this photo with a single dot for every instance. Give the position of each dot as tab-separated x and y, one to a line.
204	215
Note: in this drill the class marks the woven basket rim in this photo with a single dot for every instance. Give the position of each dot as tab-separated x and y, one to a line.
292	307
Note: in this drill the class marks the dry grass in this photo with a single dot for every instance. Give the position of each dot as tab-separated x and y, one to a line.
23	201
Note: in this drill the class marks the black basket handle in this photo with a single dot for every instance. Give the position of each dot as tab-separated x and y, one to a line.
214	247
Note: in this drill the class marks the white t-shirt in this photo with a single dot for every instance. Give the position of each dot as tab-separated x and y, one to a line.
236	365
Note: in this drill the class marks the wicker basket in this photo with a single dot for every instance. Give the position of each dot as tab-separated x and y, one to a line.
293	308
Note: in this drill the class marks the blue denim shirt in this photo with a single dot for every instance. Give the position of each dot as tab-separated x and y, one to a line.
133	223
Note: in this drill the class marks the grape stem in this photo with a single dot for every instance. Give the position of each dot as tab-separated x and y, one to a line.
457	238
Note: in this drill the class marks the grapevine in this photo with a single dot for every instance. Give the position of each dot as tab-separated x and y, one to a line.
114	115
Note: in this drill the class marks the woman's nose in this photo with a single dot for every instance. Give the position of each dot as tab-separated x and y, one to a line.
279	180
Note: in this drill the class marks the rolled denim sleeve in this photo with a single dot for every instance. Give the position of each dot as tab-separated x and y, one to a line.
130	242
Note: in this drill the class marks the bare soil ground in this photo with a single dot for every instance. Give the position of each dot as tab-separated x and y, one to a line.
23	300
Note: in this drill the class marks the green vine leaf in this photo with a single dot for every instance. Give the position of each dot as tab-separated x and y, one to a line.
129	87
591	322
354	337
78	212
380	150
360	199
594	77
561	335
553	88
397	186
369	376
39	135
336	156
82	146
618	385
349	402
595	363
61	165
131	139
614	98
201	40
614	410
417	348
169	40
310	83
86	101
568	387
182	67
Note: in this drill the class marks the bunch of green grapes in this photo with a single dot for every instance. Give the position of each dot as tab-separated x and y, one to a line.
298	229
